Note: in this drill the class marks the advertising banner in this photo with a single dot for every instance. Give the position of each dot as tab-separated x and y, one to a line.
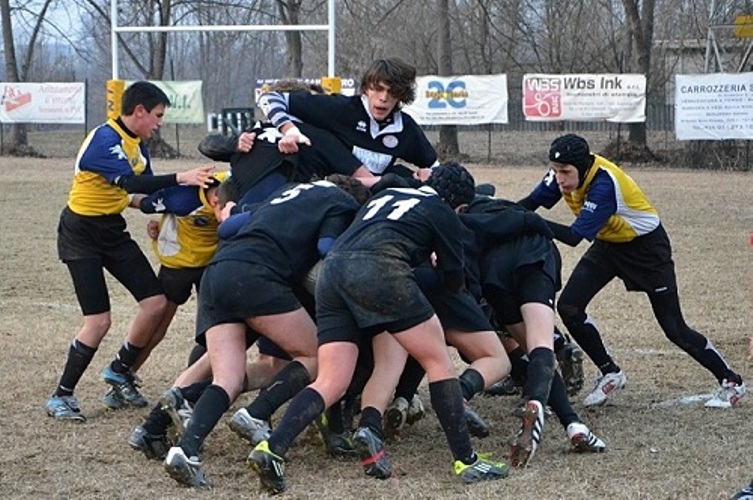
186	102
460	100
619	98
714	106
43	103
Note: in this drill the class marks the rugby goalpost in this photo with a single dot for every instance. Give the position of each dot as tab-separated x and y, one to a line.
115	85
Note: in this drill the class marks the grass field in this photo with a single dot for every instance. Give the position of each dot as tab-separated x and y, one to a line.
656	449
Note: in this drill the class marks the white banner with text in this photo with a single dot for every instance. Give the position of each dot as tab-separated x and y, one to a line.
43	102
714	106
460	100
619	98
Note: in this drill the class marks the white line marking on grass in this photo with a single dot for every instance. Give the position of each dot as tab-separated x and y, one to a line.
683	401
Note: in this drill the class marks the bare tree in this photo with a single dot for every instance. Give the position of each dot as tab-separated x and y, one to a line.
20	142
640	17
448	134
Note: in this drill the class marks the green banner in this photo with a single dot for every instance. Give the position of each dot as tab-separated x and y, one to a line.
186	103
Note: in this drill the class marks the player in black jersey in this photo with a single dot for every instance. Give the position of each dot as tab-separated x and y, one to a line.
249	283
519	272
366	288
370	125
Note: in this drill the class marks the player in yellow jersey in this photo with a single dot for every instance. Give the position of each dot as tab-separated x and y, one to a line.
113	163
184	240
628	242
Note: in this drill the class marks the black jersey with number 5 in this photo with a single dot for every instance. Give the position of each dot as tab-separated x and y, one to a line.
284	231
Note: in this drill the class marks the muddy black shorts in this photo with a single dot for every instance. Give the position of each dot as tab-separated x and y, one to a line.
360	293
232	291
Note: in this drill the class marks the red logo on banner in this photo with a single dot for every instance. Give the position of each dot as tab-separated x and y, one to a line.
542	97
14	98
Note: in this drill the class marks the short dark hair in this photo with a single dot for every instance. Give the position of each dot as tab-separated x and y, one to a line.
295	85
352	186
398	74
145	93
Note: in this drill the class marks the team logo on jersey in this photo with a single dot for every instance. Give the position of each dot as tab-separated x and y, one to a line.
117	150
389	141
590	206
361	126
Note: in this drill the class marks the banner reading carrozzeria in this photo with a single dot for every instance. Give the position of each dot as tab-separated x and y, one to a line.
460	100
43	102
617	98
714	106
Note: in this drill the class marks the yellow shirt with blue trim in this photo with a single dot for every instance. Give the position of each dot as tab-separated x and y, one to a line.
608	206
108	152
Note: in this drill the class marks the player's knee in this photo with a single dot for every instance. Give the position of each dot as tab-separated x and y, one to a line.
154	305
570	313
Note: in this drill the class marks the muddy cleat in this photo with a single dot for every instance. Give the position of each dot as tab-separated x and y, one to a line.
178	409
187	471
124	385
395	418
269	467
64	408
253	430
154	447
483	469
583	440
523	447
416	410
337	445
112	401
370	448
728	395
505	387
476	425
570	359
607	386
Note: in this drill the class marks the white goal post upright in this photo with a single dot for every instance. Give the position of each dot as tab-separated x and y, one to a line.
329	27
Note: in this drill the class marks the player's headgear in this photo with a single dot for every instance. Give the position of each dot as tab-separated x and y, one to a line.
453	183
571	149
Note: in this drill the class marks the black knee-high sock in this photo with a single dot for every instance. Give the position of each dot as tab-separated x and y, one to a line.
157	421
79	357
471	383
193	392
286	384
126	357
302	410
208	410
519	362
411	378
447	401
541	365
559	340
560	403
335	418
372	418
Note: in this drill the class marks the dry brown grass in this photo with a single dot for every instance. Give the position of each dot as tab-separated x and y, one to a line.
676	452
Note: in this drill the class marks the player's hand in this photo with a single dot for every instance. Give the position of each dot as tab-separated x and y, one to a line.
152	229
198	176
289	144
226	210
246	142
750	349
422	174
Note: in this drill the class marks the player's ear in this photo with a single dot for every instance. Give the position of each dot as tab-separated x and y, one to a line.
461	209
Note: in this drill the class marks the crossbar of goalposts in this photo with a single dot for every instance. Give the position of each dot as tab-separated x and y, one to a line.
329	27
